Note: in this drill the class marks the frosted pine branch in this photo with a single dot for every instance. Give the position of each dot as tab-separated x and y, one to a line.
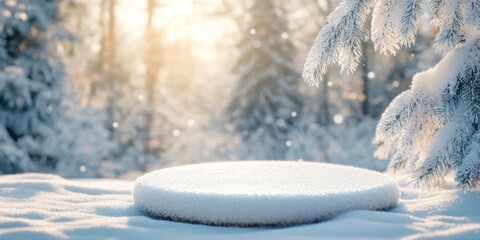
450	25
444	150
431	125
473	13
339	41
468	175
394	118
436	10
443	122
383	35
409	22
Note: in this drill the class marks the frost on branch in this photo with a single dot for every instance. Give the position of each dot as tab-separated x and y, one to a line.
449	19
339	41
433	128
394	24
473	10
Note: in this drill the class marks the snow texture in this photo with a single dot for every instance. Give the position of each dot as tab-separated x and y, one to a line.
262	193
39	206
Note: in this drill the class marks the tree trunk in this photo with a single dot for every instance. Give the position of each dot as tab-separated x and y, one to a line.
365	80
110	78
325	104
99	67
152	66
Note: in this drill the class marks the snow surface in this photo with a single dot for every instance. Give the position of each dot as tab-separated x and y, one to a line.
262	193
39	206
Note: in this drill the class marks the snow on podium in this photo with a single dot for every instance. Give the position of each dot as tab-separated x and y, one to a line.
261	193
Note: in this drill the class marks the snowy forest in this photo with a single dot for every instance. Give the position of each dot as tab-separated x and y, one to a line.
104	88
239	119
115	88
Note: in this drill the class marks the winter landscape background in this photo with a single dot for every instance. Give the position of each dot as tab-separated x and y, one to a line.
94	94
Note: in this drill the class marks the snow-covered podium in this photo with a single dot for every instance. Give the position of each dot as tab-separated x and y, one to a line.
261	193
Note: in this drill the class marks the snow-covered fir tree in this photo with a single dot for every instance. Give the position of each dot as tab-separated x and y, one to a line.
432	128
111	95
266	102
30	83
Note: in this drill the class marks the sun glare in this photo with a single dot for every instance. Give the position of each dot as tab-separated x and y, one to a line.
180	20
179	7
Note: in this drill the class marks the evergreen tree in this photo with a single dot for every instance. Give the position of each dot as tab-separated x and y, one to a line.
124	108
433	127
30	83
266	101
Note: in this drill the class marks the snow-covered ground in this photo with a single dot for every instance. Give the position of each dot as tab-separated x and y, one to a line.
40	206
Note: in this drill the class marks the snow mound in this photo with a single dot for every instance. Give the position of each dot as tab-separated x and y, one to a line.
261	193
